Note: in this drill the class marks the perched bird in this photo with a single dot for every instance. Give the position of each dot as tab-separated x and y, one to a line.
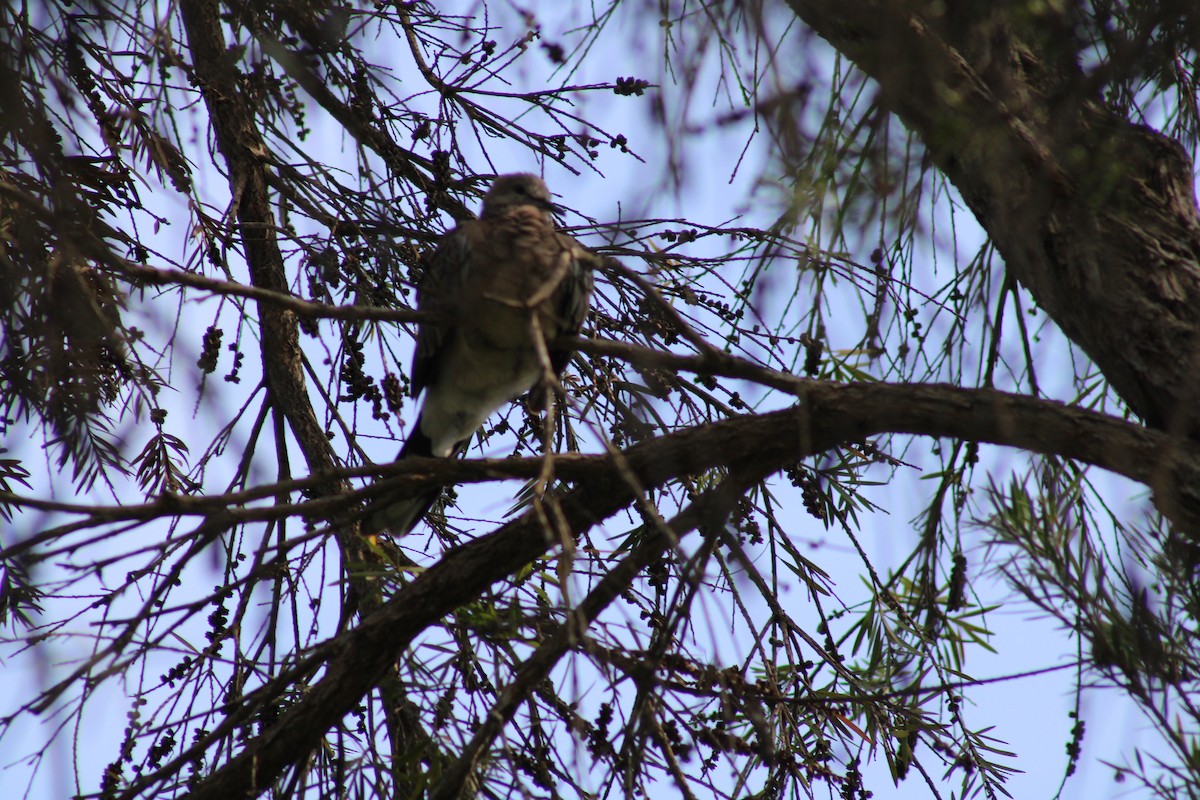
495	283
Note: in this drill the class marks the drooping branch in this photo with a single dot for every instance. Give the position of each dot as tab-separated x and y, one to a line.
1094	215
405	163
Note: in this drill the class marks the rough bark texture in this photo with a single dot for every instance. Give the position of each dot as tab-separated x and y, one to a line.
1094	215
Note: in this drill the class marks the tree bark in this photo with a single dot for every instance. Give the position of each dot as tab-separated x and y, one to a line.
1094	215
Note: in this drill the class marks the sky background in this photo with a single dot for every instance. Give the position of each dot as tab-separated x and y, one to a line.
1030	713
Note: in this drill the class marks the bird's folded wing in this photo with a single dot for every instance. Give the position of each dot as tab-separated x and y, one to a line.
446	272
574	298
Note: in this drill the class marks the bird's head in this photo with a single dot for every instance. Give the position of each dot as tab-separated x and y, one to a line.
512	191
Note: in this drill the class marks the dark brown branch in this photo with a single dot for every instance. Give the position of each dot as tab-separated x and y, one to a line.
1027	423
829	415
1094	215
712	508
241	144
284	301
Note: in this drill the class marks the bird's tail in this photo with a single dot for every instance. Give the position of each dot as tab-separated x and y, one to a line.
399	515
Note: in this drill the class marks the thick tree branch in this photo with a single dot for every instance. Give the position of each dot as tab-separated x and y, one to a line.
828	415
711	508
241	144
1094	215
847	412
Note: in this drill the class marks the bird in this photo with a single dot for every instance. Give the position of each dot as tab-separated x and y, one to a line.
494	284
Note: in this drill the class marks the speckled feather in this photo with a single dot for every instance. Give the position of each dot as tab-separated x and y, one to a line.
485	281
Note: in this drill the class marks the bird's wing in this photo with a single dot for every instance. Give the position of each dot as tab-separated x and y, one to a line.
574	299
446	272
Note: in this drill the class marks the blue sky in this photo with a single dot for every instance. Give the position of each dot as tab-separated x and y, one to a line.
1030	714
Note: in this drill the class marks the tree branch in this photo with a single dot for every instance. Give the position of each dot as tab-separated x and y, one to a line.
242	146
828	415
711	508
240	142
1094	215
